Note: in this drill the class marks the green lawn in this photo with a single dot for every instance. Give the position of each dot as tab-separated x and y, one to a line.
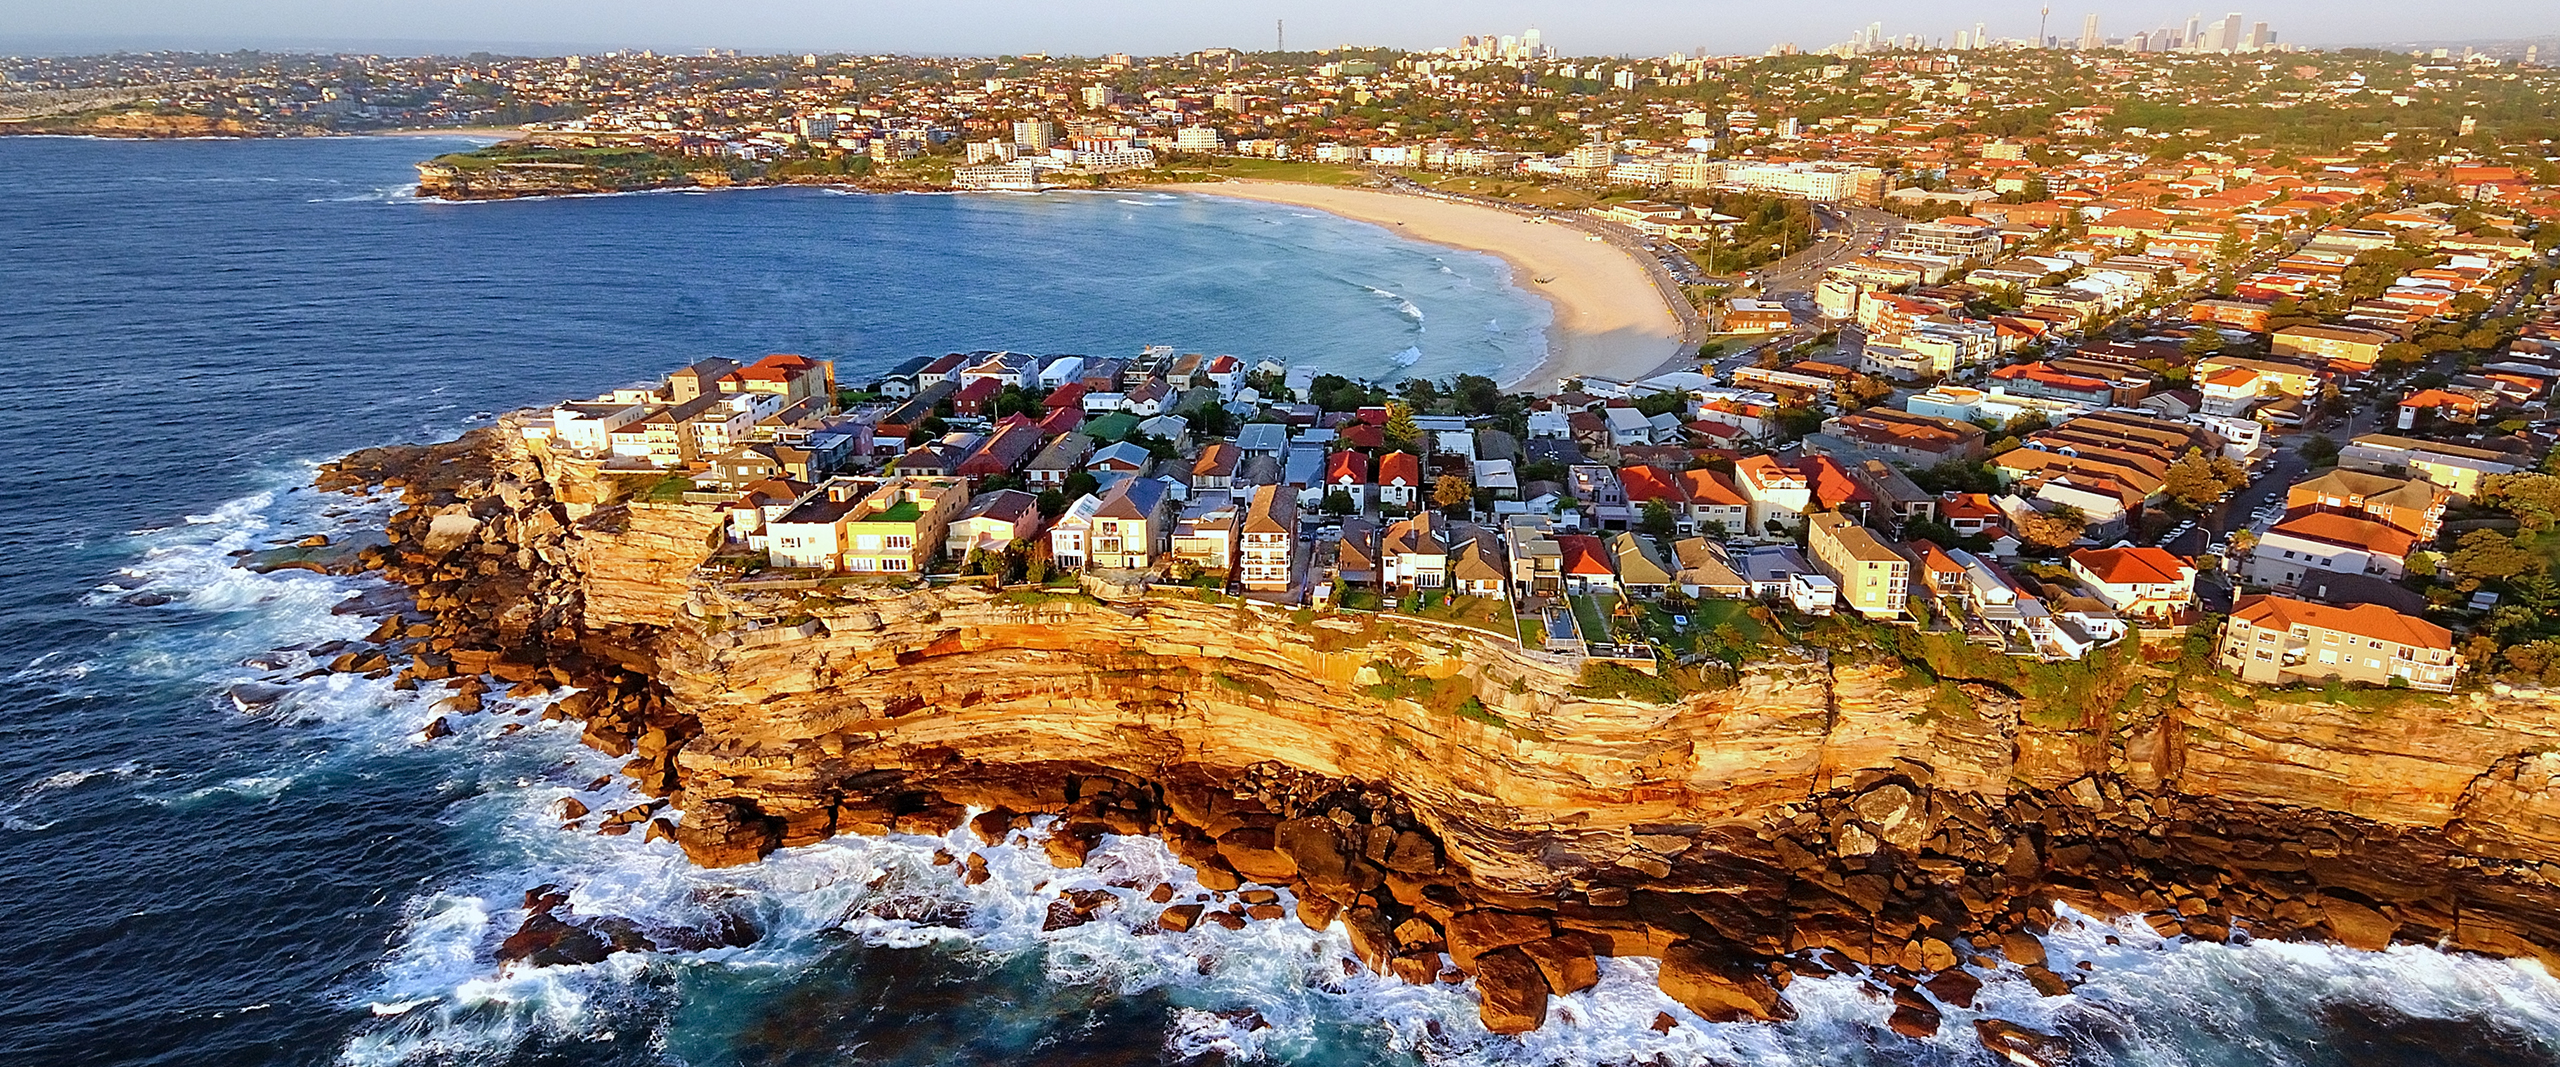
1591	615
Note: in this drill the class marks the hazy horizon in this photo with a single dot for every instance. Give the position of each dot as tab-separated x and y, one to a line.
1153	27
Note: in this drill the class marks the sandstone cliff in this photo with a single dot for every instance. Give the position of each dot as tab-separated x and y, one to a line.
1447	795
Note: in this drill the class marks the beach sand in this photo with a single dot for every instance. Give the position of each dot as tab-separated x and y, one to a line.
1610	318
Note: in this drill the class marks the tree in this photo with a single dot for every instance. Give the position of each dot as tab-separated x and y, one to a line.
1212	421
2054	529
2194	482
2534	499
2204	341
1452	493
1052	503
1337	503
1865	391
1658	522
2320	450
1079	485
2489	554
1476	394
1400	430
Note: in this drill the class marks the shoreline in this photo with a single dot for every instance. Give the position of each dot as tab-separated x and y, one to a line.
1609	319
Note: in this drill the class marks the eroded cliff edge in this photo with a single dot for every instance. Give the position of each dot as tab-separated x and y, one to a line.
1440	791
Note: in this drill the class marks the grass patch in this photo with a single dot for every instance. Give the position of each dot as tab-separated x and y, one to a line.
1034	596
1280	170
667	490
1252	687
1616	681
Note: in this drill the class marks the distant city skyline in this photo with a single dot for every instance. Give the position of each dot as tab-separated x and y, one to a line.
1094	27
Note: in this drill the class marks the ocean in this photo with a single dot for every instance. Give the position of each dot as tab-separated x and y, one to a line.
191	326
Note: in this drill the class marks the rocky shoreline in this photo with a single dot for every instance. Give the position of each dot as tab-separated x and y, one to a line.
1814	819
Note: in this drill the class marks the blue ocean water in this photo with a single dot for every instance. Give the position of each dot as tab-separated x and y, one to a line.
189	326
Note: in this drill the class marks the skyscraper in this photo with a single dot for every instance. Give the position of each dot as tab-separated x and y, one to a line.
2229	29
2259	38
1981	39
2089	39
2188	40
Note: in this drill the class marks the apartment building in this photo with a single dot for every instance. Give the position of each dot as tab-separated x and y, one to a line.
1874	580
1267	541
2272	640
2458	468
2406	504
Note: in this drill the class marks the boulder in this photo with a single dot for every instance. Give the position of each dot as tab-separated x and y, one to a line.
2019	1045
1316	847
1566	961
1914	1021
1180	917
1317	910
1707	981
727	832
1511	992
2357	926
450	529
1953	988
2022	948
1069	845
992	824
1372	937
1474	933
1254	854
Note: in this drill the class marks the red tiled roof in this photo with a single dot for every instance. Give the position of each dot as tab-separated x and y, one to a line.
1584	554
2141	565
2273	612
1399	468
1346	466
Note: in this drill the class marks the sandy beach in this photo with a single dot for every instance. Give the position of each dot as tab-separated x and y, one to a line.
507	132
1610	319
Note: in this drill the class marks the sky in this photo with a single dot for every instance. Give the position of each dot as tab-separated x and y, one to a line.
1158	27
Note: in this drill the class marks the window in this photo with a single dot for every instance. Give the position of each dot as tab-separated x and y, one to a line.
893	564
901	541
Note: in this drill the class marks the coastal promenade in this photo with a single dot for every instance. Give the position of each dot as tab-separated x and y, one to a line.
1612	316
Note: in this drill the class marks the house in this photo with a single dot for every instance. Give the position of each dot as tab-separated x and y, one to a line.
1642	572
1602	493
993	522
1873	579
758	505
1476	566
1071	537
1119	460
1205	534
1414	555
1130	528
864	526
2272	640
2414	507
2143	582
1399	480
1536	560
1267	541
1713	499
1003	452
1706	570
1585	563
1922	440
2327	541
794	378
1779	495
1062	371
1216	467
1347	472
1064	455
1356	554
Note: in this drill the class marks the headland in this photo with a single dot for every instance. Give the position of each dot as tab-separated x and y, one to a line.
1465	808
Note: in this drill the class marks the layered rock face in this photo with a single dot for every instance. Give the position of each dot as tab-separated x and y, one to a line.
1449	797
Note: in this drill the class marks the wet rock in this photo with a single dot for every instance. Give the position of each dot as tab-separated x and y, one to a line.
1180	917
993	824
1063	914
727	832
1162	893
256	696
1707	981
1227	919
2019	1045
2046	982
2022	948
974	870
1317	910
2357	926
1566	961
1512	993
1663	1022
1914	1021
437	729
146	600
1953	988
1068	846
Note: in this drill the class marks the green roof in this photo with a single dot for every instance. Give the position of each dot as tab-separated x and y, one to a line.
902	511
1112	427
